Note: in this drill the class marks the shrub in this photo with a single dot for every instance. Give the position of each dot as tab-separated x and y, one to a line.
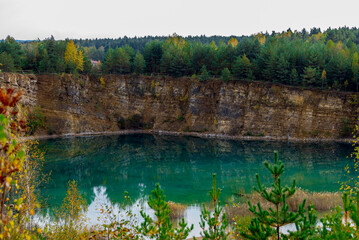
36	120
12	157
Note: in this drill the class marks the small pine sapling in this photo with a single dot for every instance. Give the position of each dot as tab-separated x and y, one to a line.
214	225
306	226
333	227
277	195
161	228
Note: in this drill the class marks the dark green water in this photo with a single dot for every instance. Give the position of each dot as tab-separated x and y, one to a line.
183	165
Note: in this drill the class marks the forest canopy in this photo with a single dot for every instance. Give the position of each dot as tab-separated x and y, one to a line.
320	59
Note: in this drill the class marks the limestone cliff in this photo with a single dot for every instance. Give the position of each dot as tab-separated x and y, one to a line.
27	84
88	104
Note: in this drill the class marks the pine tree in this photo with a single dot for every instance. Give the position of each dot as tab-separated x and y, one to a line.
324	78
6	62
282	69
214	224
204	74
294	80
355	69
139	63
153	53
306	226
242	68
124	60
226	75
161	227
279	215
309	76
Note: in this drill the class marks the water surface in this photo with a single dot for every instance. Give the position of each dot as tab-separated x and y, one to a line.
106	166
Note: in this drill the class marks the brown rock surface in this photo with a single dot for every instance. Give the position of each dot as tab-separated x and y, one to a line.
83	104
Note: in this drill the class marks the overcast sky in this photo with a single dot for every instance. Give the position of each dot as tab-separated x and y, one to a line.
32	19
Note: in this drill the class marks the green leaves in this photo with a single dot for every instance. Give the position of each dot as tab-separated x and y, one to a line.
214	224
277	215
161	228
204	76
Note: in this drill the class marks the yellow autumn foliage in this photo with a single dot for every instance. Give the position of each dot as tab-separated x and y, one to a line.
233	42
74	56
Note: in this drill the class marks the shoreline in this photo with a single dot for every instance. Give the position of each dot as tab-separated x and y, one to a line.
191	134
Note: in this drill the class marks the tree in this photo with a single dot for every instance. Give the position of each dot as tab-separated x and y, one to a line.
176	57
123	60
161	227
71	52
309	76
95	54
153	53
225	56
139	63
294	80
233	42
355	69
242	68
204	76
73	204
214	224
50	47
226	75
324	78
262	224
282	69
117	61
109	62
330	44
79	61
13	49
73	58
6	62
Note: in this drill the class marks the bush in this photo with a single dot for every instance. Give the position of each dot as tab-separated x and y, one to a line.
36	120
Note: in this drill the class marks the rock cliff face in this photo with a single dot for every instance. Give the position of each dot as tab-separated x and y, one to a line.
27	84
87	104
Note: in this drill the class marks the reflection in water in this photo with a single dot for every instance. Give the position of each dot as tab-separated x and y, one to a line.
96	217
102	211
107	166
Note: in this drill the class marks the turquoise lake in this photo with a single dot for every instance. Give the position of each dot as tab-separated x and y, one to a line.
183	166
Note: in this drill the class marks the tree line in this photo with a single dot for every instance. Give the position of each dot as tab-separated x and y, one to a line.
327	60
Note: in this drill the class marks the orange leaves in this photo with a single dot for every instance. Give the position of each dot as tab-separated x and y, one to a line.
8	100
12	155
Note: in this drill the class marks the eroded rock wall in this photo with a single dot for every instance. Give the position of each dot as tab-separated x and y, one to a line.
87	104
27	84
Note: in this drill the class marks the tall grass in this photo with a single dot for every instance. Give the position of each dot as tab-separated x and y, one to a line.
322	201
